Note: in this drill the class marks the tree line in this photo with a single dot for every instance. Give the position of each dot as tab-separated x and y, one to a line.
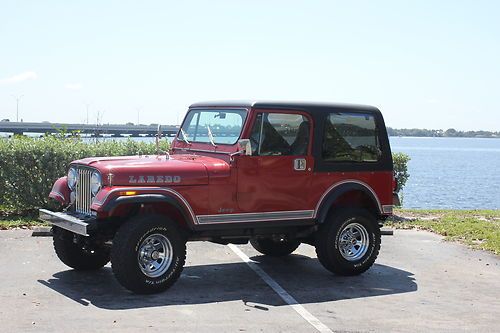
450	133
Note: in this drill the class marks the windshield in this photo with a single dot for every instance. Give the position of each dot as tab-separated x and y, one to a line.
213	126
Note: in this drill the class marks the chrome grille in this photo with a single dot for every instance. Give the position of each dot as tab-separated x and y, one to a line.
83	198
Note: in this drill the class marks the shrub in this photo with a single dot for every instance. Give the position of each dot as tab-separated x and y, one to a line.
400	161
29	166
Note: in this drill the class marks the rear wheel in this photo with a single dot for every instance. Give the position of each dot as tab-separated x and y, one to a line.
148	254
349	242
275	248
76	255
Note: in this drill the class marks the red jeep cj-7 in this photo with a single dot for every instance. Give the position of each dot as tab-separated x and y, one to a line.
275	174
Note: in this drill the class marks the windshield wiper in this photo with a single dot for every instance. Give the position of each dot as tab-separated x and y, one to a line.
184	137
211	136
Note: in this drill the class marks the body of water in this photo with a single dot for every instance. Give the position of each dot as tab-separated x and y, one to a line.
456	173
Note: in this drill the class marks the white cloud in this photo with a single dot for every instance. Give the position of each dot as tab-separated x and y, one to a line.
24	76
73	86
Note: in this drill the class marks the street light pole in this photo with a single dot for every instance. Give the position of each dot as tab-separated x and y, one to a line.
138	112
87	105
17	105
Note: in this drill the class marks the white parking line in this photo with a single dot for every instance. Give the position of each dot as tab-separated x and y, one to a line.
281	292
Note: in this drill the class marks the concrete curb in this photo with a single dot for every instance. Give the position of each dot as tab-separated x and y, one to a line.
387	232
41	232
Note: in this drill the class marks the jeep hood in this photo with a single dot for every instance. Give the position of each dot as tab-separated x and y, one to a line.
157	170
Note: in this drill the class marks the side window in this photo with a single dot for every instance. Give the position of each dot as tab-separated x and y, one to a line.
280	134
350	137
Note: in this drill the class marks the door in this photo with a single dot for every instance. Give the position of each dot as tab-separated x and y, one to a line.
276	177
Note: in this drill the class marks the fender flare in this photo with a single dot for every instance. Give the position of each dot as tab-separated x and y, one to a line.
60	191
337	190
186	212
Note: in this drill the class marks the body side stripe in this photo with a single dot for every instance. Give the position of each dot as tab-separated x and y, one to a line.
255	217
57	194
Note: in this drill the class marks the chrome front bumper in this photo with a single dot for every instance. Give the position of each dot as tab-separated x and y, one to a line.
65	221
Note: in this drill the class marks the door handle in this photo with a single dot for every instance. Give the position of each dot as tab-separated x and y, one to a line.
299	164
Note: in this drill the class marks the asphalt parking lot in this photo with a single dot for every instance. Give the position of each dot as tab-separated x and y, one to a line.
419	283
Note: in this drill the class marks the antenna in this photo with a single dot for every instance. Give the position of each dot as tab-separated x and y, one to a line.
158	137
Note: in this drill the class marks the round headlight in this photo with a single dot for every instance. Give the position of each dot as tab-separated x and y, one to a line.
95	183
72	178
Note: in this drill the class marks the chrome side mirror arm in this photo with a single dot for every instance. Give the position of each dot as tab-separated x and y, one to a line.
245	146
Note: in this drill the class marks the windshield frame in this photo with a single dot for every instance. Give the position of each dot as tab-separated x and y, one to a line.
181	138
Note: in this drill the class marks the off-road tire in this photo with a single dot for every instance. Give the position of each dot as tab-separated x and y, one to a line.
273	248
74	255
126	247
328	247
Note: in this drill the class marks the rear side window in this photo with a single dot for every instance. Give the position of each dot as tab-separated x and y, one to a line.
350	137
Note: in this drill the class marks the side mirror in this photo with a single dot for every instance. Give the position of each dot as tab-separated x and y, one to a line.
245	146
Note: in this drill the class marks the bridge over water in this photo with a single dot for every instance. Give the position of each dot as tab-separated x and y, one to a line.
88	129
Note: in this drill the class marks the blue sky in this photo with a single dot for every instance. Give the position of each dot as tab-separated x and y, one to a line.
432	64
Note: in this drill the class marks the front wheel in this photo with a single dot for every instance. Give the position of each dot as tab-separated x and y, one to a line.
75	255
148	254
349	242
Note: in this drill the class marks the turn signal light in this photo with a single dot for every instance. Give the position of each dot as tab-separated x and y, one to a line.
128	193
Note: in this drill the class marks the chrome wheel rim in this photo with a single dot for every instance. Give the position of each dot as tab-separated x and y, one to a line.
353	241
155	255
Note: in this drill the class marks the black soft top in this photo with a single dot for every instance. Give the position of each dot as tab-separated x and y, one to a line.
312	107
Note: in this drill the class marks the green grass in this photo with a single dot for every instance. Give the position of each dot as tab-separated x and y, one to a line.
10	219
479	229
19	222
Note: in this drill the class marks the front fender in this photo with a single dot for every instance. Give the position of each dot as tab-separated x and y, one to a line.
60	191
